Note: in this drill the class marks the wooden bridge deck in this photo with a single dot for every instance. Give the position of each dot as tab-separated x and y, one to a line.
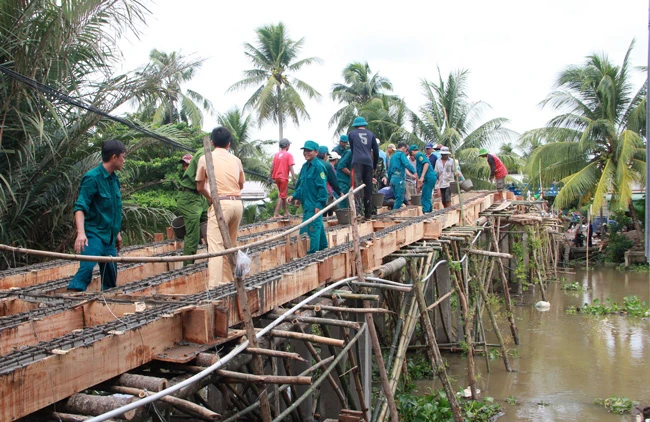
53	344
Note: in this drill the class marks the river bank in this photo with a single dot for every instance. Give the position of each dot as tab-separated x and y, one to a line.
567	361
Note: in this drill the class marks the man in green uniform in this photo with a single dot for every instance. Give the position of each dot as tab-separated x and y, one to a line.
98	218
312	192
426	177
192	206
342	146
323	156
343	172
397	168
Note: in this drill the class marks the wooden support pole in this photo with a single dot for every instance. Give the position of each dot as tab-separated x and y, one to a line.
370	323
506	290
262	379
491	254
274	353
242	297
86	404
183	405
142	382
437	363
344	309
308	337
330	378
315	320
495	326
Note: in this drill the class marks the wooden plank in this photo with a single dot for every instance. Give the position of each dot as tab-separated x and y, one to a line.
59	376
432	229
198	325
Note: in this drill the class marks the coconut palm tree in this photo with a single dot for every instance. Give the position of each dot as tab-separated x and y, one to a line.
596	145
275	58
168	103
47	144
450	118
359	88
254	159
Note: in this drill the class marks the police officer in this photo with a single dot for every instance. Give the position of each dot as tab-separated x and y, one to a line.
312	193
192	206
397	168
426	177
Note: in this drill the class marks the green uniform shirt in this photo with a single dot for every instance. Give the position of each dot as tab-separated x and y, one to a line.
100	200
312	190
340	150
420	160
399	162
188	180
331	177
344	163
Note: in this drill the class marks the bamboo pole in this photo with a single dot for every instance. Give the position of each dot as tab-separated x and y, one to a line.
318	382
370	323
262	379
307	337
242	297
183	405
274	353
252	407
330	378
134	259
355	373
491	254
437	363
316	320
344	309
506	290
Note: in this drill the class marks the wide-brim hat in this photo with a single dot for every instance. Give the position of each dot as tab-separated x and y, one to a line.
186	159
445	151
310	146
359	121
344	138
483	151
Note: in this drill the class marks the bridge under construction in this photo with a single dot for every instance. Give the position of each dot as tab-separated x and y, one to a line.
298	341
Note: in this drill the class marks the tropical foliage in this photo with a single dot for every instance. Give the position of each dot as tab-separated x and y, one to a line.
168	103
449	118
275	58
596	145
251	152
46	144
360	87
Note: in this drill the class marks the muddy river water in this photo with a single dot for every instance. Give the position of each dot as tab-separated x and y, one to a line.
565	361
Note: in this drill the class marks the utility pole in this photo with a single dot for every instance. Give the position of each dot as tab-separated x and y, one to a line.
647	155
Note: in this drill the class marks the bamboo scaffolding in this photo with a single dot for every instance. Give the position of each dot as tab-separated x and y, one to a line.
370	323
506	289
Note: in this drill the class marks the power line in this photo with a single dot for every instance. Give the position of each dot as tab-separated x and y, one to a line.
67	99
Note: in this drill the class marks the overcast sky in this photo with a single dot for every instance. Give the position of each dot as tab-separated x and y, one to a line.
514	49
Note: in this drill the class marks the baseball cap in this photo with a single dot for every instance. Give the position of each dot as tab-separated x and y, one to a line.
437	147
284	142
310	146
428	145
186	159
414	148
391	146
323	150
334	156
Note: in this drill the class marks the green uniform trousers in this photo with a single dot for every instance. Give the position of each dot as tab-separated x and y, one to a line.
194	209
315	230
398	184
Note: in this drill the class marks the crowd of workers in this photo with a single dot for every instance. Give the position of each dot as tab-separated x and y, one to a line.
400	173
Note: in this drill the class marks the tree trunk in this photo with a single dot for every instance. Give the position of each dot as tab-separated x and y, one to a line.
280	116
637	225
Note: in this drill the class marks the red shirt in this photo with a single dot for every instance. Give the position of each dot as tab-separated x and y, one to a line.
282	160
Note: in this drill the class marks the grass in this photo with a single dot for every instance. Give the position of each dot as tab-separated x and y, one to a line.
632	306
615	404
